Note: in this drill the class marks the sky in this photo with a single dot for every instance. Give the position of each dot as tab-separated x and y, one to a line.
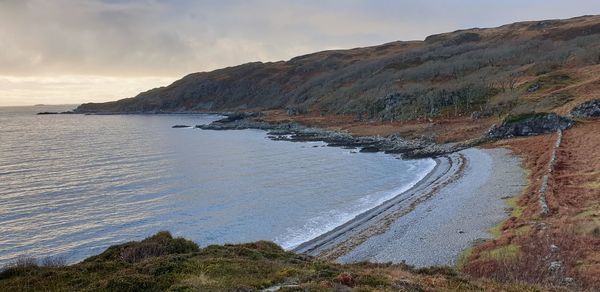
75	51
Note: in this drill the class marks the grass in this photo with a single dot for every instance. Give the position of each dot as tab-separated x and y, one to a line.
516	211
164	263
591	228
555	79
463	258
593	185
513	203
496	230
515	118
502	253
592	211
522	230
588	222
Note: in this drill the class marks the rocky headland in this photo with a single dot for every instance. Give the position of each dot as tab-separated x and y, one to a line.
407	148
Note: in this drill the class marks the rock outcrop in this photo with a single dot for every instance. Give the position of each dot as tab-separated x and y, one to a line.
530	124
590	109
394	144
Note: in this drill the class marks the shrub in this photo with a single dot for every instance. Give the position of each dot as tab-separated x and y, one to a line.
20	265
54	262
345	279
159	244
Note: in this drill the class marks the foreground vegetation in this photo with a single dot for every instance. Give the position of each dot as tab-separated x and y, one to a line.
162	262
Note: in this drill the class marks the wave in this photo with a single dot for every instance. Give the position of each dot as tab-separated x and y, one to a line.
324	223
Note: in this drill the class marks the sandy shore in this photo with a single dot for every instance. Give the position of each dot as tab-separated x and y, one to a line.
436	220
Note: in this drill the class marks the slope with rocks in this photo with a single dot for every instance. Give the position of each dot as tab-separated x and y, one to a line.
547	65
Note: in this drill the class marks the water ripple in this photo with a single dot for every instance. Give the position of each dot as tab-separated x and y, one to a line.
72	185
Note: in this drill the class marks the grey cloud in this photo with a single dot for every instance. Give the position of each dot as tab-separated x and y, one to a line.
166	38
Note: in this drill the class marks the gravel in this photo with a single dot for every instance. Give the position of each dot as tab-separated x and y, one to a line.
438	230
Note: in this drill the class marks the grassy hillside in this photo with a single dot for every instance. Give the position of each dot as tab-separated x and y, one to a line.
162	262
561	247
538	65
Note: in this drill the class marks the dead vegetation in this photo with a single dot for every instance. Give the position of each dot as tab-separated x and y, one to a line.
482	73
561	248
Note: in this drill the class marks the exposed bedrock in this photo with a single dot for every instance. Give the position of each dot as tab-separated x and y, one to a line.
530	124
590	109
394	144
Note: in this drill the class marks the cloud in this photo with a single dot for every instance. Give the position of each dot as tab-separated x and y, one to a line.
168	39
73	89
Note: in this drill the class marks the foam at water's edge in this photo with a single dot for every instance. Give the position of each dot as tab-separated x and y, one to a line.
70	193
315	227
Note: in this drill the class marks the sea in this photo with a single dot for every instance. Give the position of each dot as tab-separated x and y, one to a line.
73	185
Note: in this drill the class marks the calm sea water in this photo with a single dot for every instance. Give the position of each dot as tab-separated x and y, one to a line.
72	185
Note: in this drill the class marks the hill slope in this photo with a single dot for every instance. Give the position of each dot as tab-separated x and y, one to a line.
540	65
163	263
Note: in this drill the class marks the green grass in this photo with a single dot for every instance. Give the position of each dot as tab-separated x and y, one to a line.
496	230
505	252
164	263
463	258
516	211
510	119
513	203
555	79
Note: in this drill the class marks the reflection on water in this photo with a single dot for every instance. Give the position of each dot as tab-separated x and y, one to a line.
71	185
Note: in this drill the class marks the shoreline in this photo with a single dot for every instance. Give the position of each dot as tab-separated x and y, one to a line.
330	241
415	148
436	220
361	238
376	235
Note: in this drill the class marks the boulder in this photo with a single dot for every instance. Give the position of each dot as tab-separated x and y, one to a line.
534	87
555	266
590	109
529	125
369	149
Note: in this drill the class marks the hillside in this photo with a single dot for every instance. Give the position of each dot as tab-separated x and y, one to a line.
547	65
451	87
164	263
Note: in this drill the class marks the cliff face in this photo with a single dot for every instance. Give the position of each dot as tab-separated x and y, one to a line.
484	70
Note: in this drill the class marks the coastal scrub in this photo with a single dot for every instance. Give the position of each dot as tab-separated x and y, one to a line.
162	262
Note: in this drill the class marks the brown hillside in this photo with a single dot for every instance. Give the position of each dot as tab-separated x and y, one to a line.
537	65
